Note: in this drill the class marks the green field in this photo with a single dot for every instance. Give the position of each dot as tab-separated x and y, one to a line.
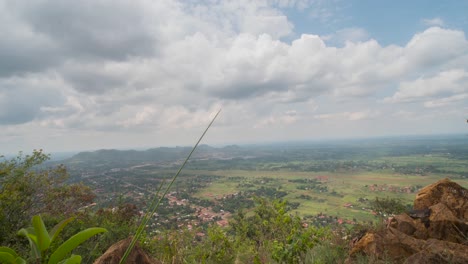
348	186
336	179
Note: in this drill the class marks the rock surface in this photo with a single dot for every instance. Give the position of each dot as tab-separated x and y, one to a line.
436	231
116	251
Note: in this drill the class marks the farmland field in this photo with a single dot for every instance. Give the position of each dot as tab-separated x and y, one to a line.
335	179
348	186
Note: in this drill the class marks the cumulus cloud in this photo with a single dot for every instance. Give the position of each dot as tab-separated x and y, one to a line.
435	46
445	84
142	65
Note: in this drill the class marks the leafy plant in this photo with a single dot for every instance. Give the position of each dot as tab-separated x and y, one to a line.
40	241
277	235
8	255
387	206
327	252
28	188
218	247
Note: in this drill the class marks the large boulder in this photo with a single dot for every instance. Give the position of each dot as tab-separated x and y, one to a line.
438	251
447	192
116	251
436	231
389	243
415	227
445	225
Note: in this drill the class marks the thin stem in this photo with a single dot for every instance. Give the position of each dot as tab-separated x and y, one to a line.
145	220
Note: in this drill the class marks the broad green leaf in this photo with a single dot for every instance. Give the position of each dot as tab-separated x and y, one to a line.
74	259
26	231
73	242
29	234
20	260
43	238
53	234
7	258
9	251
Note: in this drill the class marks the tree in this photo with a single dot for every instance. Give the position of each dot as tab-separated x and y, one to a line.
274	230
387	206
27	189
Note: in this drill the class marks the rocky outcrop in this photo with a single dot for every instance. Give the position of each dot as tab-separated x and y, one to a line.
436	231
446	192
116	251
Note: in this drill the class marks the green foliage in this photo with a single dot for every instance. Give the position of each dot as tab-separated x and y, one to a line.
64	249
272	230
119	221
267	234
218	247
26	189
40	241
327	253
387	206
190	246
171	247
9	256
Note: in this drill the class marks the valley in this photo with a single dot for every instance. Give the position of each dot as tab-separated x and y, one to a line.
322	182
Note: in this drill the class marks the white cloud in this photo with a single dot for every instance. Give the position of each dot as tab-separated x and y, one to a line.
167	65
286	118
436	21
434	47
349	116
297	4
273	25
443	85
454	99
342	36
143	116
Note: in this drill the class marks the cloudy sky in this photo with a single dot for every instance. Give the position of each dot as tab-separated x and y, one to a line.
90	74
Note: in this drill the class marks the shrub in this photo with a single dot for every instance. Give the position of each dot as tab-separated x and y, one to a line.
41	241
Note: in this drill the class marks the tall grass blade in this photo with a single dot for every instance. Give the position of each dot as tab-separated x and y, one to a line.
145	220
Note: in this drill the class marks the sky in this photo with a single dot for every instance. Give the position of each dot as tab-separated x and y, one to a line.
92	74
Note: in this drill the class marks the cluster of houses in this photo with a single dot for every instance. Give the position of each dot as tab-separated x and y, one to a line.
391	188
323	220
203	214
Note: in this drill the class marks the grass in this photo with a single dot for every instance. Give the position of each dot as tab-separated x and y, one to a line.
326	253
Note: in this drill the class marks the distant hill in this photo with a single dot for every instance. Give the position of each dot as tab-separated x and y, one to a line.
450	146
123	158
